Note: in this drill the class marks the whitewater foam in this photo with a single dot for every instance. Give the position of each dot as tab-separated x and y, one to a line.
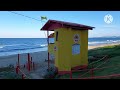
104	42
1	47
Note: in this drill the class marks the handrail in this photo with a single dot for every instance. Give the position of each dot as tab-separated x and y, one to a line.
23	73
94	68
98	77
98	60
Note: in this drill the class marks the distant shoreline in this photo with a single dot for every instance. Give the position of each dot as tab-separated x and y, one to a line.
102	45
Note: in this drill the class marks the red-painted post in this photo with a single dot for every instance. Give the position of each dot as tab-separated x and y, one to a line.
19	60
23	77
70	74
31	63
17	69
28	62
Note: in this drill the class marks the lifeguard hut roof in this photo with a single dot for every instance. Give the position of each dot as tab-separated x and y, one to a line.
51	25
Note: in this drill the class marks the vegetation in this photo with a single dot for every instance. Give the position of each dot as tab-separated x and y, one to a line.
51	74
8	73
108	56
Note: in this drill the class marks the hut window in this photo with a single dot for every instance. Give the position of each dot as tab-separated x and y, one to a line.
75	49
57	36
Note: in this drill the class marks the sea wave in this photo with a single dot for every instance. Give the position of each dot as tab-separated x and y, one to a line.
41	45
15	45
103	42
19	47
44	45
1	46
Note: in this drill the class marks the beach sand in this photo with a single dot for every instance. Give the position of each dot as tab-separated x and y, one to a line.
12	59
102	45
37	57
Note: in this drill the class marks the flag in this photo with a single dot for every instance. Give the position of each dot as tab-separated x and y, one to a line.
42	18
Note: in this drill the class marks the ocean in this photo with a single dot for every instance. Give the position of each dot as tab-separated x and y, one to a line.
11	46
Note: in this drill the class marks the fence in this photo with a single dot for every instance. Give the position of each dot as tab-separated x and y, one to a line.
30	65
92	70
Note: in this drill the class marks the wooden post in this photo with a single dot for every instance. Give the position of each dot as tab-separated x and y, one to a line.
17	69
48	52
23	77
31	63
18	60
70	74
28	62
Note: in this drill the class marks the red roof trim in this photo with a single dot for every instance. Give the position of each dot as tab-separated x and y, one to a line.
54	26
51	25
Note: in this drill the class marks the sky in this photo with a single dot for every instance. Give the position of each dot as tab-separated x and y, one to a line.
17	26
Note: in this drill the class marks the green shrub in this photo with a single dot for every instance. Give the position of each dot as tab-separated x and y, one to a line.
51	73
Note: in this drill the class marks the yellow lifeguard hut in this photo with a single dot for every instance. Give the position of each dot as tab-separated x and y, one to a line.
70	44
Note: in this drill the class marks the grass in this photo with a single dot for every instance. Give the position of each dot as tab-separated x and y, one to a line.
113	53
8	73
107	50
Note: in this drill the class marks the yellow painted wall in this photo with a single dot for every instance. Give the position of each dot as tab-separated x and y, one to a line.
64	59
84	47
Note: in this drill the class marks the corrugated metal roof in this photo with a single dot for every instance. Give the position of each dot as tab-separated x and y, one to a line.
51	25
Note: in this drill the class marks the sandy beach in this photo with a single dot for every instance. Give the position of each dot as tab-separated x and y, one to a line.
102	45
12	59
37	57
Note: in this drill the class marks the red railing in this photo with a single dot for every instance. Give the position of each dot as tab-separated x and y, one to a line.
30	65
101	77
91	71
18	70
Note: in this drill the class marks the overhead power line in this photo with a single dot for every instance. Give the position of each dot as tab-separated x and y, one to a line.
31	18
24	15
